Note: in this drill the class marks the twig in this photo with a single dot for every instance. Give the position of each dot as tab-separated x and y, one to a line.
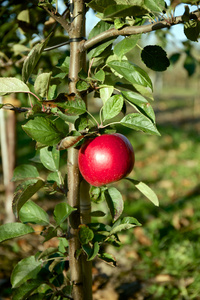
61	19
15	108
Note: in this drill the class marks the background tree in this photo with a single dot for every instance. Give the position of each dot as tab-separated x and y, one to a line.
58	85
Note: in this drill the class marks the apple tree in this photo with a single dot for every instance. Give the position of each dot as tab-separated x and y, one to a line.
57	89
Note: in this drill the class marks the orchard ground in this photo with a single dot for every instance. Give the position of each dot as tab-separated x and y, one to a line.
159	260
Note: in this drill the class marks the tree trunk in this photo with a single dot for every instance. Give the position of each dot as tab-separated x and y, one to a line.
79	268
8	141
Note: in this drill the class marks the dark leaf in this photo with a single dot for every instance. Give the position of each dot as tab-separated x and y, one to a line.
91	251
155	58
32	59
24	193
115	202
108	258
192	30
26	290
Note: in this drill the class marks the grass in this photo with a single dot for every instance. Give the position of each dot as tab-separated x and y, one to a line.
167	246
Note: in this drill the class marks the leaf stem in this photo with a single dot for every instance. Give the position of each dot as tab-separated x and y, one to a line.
93	118
100	115
139	47
110	124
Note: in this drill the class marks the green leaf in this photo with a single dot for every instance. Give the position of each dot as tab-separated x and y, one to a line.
66	118
26	269
76	106
82	85
41	84
12	230
112	107
124	10
97	194
32	213
25	171
91	251
99	49
54	177
85	234
24	16
155	6
10	85
124	224
106	92
47	252
100	5
100	75
50	158
131	72
101	26
63	245
24	193
32	59
26	289
145	190
140	104
137	121
43	130
115	202
119	22
62	212
155	58
64	65
108	258
126	45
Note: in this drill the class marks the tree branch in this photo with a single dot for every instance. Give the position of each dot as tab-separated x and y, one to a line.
61	19
132	30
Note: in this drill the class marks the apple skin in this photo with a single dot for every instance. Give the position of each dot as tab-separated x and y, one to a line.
106	158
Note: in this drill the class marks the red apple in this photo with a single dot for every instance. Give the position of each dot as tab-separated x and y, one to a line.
106	158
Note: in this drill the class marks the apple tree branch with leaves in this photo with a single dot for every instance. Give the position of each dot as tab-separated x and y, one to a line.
58	119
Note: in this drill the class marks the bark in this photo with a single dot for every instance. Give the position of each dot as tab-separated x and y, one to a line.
80	270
